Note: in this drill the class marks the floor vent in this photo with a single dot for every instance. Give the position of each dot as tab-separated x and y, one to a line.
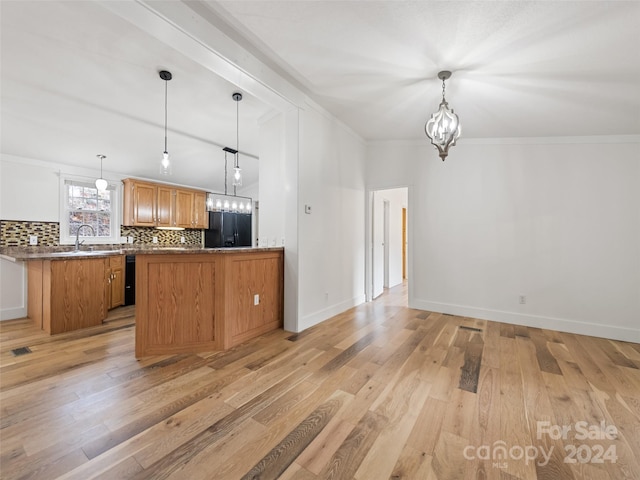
20	351
470	328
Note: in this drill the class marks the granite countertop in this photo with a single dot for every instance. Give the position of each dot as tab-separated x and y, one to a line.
96	251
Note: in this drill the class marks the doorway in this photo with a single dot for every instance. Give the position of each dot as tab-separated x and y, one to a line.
389	253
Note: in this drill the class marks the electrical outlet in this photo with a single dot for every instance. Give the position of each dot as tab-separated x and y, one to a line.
256	299
326	296
154	240
33	240
522	299
130	239
183	240
307	209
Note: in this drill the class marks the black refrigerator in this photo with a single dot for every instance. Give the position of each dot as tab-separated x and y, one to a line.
228	229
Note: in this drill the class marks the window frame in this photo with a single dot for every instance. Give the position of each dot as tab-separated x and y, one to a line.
114	186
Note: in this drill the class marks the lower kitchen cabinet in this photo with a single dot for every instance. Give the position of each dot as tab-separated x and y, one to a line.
115	281
66	295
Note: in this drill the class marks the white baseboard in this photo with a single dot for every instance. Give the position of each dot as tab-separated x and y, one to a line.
549	323
13	313
326	313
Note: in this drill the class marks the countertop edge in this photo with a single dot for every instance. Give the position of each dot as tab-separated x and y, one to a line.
14	256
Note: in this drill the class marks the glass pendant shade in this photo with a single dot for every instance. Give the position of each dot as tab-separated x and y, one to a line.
443	128
165	164
101	183
237	177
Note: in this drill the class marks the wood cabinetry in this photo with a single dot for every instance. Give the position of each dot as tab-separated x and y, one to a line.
115	281
184	209
200	216
141	199
149	204
213	301
66	295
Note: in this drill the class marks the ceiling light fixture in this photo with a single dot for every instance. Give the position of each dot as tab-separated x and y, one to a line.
237	171
165	164
443	128
101	183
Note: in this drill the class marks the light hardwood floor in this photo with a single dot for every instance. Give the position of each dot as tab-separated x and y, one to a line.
380	391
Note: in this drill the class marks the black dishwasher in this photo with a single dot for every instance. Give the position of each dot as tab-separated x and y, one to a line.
130	280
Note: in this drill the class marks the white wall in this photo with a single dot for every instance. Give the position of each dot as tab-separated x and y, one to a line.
29	191
331	237
557	220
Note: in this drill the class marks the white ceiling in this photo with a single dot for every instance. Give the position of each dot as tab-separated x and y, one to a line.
520	69
78	80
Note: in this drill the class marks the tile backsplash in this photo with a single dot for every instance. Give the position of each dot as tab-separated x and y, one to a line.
16	234
144	235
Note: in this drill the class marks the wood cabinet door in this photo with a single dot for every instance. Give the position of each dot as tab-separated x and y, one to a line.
144	204
77	298
116	278
200	216
165	206
184	209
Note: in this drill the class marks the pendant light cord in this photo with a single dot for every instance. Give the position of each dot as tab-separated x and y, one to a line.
237	132
165	114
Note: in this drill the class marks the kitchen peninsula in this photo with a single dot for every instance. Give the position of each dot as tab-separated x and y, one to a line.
187	300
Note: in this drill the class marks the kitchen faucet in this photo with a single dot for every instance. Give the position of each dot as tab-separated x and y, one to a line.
78	243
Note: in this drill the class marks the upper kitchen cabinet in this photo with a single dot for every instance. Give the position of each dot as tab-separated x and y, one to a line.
200	217
149	204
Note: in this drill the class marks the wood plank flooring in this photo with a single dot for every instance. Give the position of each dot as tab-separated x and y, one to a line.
378	392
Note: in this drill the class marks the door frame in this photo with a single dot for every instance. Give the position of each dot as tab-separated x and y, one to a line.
369	247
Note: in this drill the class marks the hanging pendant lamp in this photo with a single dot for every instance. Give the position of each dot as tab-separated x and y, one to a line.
165	163
237	171
443	128
101	183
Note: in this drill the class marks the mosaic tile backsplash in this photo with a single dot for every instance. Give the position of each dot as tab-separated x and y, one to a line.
16	234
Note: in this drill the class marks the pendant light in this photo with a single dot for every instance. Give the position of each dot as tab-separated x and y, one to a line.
101	183
237	171
165	163
443	128
232	152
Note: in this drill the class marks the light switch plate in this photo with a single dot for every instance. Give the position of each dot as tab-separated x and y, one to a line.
307	209
33	240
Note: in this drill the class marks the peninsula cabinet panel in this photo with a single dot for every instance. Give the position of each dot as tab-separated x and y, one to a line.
175	304
205	302
67	295
254	296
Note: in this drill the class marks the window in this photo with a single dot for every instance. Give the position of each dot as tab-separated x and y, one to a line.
83	204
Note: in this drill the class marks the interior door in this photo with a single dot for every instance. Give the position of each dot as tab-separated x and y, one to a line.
377	267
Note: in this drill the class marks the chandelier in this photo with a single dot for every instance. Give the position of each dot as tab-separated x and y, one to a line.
443	128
